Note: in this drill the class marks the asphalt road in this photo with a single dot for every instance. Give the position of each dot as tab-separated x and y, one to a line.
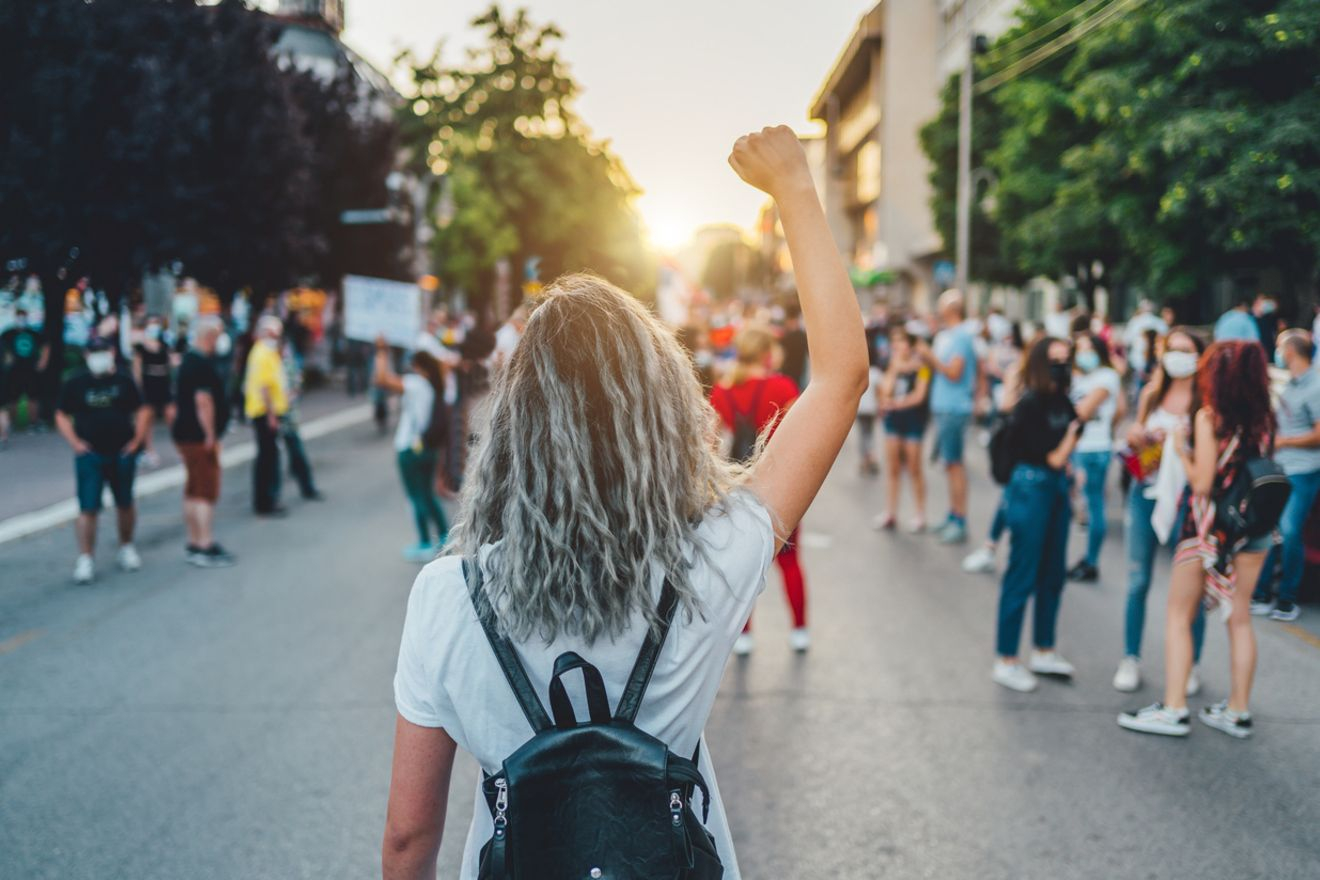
177	723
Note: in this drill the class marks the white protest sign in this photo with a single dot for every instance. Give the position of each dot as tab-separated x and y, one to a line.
377	307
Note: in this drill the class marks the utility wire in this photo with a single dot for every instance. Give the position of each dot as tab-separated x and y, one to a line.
1055	46
1024	42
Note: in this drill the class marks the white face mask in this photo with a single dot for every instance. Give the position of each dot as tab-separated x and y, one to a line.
101	362
153	332
1179	364
223	345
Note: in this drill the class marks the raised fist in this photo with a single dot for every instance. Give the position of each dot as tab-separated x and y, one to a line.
772	160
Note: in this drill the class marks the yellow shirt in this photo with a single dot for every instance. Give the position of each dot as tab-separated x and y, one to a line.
264	372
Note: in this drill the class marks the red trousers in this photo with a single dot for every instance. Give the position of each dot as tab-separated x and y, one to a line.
795	587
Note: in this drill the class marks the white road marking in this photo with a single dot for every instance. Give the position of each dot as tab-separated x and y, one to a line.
61	512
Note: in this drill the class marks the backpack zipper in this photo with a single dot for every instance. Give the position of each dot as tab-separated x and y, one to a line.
501	806
676	807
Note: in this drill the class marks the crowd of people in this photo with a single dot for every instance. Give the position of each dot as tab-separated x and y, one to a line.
1063	406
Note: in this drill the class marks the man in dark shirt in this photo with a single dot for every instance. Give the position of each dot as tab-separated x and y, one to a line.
23	356
102	416
793	341
201	416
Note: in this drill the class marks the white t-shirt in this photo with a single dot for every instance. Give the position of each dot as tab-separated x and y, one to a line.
415	407
448	677
868	405
1098	433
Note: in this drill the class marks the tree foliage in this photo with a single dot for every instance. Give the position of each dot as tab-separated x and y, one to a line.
525	175
1173	147
137	134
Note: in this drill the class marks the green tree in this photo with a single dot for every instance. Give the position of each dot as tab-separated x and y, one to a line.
526	177
1170	148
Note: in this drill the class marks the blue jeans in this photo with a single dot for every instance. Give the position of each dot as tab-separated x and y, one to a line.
1037	513
998	524
1142	545
1095	467
1289	557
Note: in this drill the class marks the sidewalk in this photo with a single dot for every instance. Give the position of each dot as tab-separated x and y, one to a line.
36	470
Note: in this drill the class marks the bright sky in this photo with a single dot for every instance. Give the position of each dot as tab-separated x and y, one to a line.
672	83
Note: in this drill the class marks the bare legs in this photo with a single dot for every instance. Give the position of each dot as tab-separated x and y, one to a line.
198	516
901	455
1185	591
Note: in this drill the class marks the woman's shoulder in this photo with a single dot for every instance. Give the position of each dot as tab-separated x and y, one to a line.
738	522
439	593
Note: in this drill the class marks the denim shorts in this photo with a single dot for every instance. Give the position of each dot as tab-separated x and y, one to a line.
950	434
94	471
1259	545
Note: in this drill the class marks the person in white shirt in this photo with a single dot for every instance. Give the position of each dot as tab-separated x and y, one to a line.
596	483
1097	385
420	434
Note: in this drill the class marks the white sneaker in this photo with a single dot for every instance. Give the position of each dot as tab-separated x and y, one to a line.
799	639
980	561
1156	718
1013	676
128	558
84	570
1262	609
1221	718
1050	663
1128	677
1194	682
742	646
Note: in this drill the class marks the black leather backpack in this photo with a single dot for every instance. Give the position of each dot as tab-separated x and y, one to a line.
597	799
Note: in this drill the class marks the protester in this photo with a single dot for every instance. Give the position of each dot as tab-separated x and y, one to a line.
953	361
903	395
1137	340
421	432
102	417
1096	388
1166	406
793	342
751	401
1234	424
867	409
299	464
1265	312
1298	453
266	401
201	415
1044	429
152	368
23	357
1237	322
573	542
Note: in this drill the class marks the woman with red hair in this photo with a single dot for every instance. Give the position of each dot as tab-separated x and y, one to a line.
1235	423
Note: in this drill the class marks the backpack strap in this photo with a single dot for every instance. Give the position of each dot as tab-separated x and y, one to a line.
504	653
631	700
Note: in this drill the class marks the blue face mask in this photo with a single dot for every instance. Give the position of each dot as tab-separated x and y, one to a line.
1278	359
1087	360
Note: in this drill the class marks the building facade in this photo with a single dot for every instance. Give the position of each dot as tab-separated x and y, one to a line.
884	86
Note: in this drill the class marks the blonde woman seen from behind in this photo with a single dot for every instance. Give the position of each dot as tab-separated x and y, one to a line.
598	480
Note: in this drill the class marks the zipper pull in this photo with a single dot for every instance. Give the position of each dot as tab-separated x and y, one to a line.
676	807
501	807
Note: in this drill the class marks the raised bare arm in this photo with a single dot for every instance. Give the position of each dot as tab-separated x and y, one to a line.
799	456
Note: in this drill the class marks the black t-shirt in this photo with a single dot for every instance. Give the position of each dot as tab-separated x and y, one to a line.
197	373
1038	426
103	409
20	348
155	372
794	344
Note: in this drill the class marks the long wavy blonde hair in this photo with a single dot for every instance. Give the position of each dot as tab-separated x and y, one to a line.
599	460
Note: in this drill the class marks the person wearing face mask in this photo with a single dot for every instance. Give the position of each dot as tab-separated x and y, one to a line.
1166	404
1096	388
1298	453
1043	430
152	368
102	417
23	356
